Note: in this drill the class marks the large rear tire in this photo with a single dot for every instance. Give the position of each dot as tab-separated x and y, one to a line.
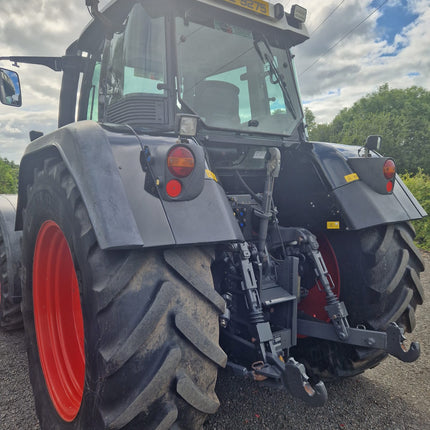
379	269
116	339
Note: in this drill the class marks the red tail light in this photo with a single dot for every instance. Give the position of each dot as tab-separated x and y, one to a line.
180	162
173	188
389	169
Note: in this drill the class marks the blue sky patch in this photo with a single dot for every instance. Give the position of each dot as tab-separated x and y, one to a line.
393	20
330	94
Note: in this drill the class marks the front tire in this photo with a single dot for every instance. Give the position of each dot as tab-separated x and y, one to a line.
116	339
379	269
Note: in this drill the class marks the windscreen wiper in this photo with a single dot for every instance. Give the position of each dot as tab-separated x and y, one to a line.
266	55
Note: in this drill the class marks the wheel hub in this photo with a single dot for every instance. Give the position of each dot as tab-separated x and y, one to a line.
58	320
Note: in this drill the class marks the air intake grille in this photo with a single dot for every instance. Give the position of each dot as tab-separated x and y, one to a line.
138	109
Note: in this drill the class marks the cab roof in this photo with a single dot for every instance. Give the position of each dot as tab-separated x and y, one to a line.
117	11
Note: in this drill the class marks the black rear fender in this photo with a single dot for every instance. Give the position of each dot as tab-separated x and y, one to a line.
123	203
327	186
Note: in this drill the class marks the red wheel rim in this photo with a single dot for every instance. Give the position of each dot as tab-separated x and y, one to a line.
58	320
313	304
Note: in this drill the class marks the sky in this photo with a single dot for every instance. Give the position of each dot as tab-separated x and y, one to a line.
355	46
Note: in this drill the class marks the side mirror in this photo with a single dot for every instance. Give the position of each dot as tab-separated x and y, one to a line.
373	143
10	88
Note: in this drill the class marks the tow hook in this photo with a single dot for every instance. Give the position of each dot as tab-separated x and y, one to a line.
297	383
291	375
396	348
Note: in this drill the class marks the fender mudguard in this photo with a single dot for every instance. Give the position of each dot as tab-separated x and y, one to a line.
319	183
107	169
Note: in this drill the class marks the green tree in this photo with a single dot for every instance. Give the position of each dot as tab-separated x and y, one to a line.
8	177
400	116
310	120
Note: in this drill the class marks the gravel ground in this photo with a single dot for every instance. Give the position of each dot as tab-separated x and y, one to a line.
393	396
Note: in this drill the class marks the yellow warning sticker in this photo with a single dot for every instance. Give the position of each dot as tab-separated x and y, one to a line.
333	225
211	175
352	177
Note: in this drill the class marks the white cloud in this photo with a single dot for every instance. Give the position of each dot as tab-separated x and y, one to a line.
362	62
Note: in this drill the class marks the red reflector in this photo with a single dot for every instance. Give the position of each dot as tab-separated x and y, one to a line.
173	188
390	187
389	169
180	161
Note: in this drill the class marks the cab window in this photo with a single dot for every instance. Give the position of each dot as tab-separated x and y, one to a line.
128	85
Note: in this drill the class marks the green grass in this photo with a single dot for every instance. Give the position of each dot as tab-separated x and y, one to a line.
419	184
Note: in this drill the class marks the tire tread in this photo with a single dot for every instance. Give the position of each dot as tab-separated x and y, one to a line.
134	349
191	393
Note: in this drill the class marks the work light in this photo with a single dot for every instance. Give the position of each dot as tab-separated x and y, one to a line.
299	13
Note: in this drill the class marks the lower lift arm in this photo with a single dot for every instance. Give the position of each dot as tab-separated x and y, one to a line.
390	341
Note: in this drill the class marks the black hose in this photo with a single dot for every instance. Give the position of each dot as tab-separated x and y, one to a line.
246	186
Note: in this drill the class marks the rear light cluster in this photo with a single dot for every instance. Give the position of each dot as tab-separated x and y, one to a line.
181	163
389	170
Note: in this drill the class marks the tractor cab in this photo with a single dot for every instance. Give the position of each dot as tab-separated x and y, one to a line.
226	62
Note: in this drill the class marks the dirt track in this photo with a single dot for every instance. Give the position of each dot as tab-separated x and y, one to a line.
393	396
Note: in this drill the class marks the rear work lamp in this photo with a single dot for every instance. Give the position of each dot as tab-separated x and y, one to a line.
299	13
186	125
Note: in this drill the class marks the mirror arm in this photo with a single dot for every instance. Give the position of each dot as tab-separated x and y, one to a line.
54	63
57	64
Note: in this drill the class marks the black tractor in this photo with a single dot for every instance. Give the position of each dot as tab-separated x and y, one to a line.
180	220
